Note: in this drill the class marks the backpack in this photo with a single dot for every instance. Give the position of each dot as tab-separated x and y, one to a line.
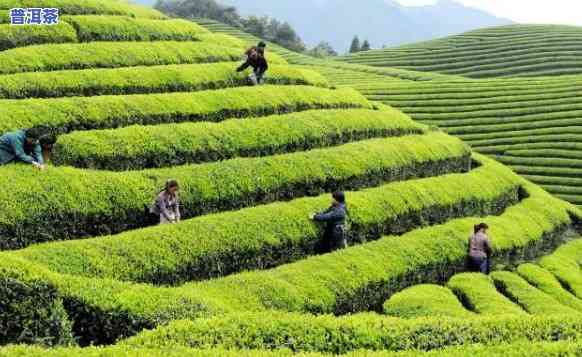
152	212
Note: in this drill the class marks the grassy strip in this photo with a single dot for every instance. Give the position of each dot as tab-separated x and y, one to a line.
356	279
530	64
532	300
80	113
229	41
475	90
128	351
491	117
557	44
56	57
546	170
553	181
565	265
528	114
564	152
425	301
118	28
546	162
513	127
565	138
469	100
203	247
501	106
88	7
137	80
329	334
478	294
178	144
518	349
548	283
116	201
514	349
20	36
468	67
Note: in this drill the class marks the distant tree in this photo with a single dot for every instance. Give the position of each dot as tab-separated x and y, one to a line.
287	37
365	46
323	49
255	25
264	27
355	46
191	9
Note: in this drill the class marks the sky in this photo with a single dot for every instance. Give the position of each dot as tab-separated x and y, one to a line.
567	12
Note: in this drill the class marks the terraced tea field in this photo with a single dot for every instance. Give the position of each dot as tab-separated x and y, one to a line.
532	125
529	124
138	99
506	51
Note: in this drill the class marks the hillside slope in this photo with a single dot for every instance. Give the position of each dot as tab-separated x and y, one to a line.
529	124
382	22
136	101
506	51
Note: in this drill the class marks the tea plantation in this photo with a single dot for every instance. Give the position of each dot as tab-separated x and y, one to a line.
530	124
505	51
137	99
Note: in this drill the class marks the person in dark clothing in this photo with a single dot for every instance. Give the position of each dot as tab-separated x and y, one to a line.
14	144
480	250
335	219
255	58
46	144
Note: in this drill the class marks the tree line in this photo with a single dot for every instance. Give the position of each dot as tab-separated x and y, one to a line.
356	47
264	27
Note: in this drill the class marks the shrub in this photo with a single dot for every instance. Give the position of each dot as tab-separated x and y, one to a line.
80	113
529	298
119	28
477	292
32	312
362	278
142	352
516	349
4	16
56	57
425	301
20	36
263	180
357	279
546	282
137	80
178	144
229	41
565	266
329	334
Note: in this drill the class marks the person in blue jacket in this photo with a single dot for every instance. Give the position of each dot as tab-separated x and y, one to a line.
13	144
335	219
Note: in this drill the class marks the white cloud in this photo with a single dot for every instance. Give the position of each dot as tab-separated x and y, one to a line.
525	11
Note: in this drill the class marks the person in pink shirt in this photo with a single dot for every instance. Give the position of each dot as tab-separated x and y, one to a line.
480	250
